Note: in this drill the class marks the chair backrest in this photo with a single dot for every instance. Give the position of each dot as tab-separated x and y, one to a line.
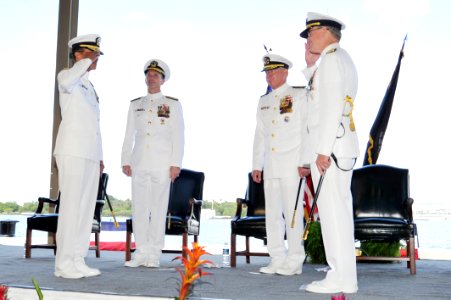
256	197
103	183
101	196
188	185
380	191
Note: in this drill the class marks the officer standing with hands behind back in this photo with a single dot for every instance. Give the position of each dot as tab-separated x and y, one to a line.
152	155
276	157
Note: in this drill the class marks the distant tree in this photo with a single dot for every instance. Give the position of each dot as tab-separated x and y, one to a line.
9	207
121	208
29	207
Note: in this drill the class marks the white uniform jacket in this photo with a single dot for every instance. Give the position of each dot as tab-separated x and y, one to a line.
154	137
328	126
277	139
79	131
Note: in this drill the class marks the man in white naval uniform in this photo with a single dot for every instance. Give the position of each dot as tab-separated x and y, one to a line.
152	155
276	151
331	145
78	154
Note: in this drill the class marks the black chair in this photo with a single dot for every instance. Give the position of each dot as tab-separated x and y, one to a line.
383	209
252	225
49	221
187	191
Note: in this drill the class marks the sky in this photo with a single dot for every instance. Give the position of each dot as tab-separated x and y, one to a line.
214	50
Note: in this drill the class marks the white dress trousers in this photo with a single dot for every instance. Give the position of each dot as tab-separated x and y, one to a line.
79	183
150	194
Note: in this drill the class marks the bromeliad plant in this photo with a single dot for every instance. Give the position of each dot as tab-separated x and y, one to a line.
3	292
191	269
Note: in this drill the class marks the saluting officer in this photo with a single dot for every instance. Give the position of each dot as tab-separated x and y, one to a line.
78	155
276	151
331	145
152	155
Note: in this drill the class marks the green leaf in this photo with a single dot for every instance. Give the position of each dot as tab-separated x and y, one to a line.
38	289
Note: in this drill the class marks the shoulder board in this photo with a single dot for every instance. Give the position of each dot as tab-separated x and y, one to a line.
268	90
298	87
136	99
331	51
172	98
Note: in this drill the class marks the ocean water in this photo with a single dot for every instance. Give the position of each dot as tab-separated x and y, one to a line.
215	232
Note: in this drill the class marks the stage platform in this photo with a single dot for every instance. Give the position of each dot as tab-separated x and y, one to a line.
376	280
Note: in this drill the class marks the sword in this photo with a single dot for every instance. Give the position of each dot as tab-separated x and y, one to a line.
110	206
312	209
169	206
297	201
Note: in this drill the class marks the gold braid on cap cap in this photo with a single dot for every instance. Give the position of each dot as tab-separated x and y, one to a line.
90	47
274	66
155	67
313	24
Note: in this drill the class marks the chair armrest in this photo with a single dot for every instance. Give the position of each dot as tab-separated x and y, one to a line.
409	209
239	207
98	210
42	201
197	202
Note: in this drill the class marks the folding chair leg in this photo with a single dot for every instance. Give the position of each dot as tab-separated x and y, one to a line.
233	250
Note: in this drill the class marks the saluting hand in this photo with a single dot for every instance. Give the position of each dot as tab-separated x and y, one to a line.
310	58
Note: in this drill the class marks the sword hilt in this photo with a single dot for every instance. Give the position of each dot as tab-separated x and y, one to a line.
306	229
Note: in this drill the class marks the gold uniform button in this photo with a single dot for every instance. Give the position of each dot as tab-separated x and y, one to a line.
274	121
149	122
273	149
273	135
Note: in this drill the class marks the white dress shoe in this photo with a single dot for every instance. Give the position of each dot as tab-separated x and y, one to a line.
136	262
87	271
272	267
289	270
152	263
74	274
322	288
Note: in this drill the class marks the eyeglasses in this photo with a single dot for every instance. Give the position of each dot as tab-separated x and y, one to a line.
314	29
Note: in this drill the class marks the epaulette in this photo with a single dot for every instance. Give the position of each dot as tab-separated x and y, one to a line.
172	98
331	51
136	99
